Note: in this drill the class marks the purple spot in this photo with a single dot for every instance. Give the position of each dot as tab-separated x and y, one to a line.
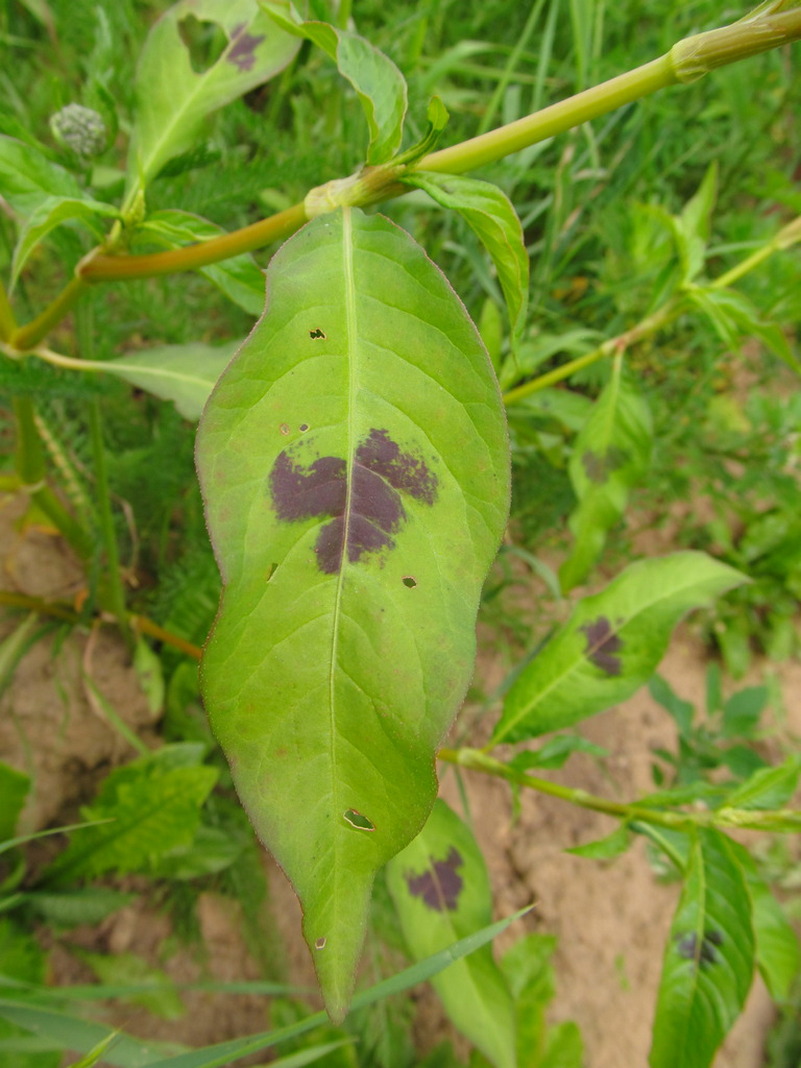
364	515
598	467
243	48
703	952
439	886
602	644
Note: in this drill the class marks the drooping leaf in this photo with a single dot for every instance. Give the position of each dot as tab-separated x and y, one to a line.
441	890
490	214
53	212
354	464
379	84
28	177
610	455
709	958
768	788
184	374
173	101
611	644
778	954
240	278
735	317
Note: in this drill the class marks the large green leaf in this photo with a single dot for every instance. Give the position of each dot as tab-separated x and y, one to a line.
441	890
611	454
611	644
173	101
354	463
709	959
379	84
489	213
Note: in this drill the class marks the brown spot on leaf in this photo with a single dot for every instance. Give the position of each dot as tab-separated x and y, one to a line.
409	581
317	335
243	48
320	943
602	644
439	887
599	466
364	515
284	428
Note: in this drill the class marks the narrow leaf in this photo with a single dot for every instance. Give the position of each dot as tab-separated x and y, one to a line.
53	212
28	178
768	788
611	454
693	226
354	464
735	317
611	644
441	890
491	216
184	374
173	101
14	786
709	959
379	84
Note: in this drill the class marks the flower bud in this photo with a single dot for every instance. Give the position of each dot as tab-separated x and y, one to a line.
80	129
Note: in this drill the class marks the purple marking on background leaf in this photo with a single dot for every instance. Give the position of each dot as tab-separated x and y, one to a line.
602	644
599	466
242	53
687	946
439	887
380	473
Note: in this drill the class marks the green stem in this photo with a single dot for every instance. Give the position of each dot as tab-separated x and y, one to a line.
787	236
25	337
116	591
29	462
7	322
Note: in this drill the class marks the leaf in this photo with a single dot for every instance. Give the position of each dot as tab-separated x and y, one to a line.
184	374
678	709
53	212
173	101
613	845
354	464
240	278
379	84
154	806
441	890
70	908
734	316
491	216
611	454
611	644
709	959
742	711
28	178
768	788
14	786
777	950
693	226
555	752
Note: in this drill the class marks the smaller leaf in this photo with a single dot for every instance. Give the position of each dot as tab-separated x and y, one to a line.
692	227
491	216
611	454
441	890
709	959
734	317
555	752
681	711
70	908
14	786
379	84
53	212
173	101
613	845
611	644
185	374
768	788
742	711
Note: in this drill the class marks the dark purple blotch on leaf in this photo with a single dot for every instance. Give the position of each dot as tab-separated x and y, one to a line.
364	521
598	467
602	644
243	48
702	954
439	887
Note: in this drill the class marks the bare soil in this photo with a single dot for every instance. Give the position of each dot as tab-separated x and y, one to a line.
611	919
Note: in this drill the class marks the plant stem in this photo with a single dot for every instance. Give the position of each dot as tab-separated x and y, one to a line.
787	236
7	323
29	461
25	337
